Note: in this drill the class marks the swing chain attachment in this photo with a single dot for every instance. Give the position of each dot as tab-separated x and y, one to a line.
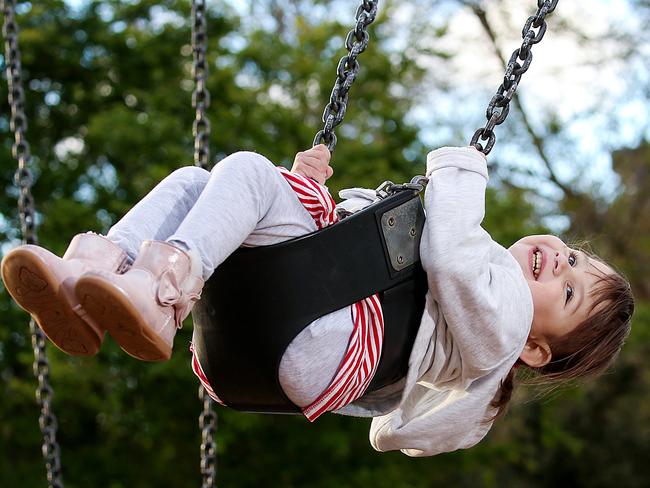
356	42
200	95
519	62
388	188
23	179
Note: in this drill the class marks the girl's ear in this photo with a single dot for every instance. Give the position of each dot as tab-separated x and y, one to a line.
536	353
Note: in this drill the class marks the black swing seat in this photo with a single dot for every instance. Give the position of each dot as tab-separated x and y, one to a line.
260	299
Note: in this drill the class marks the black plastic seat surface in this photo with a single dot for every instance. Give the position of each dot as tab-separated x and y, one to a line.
260	299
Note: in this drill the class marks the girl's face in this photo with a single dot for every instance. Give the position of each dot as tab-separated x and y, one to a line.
560	279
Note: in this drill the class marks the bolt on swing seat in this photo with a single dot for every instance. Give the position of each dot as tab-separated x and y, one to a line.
260	299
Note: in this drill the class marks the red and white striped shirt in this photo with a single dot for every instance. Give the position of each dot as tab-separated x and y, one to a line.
364	349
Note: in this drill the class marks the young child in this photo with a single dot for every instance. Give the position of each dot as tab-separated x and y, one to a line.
538	304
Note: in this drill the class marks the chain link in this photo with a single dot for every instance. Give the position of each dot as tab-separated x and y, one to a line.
519	62
201	132
201	95
346	72
23	179
388	188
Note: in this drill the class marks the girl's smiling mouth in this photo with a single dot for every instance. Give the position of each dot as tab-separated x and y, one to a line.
537	261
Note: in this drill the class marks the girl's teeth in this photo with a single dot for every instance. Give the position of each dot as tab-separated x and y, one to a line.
537	263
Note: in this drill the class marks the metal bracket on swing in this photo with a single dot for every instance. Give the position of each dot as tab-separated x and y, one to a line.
402	225
402	230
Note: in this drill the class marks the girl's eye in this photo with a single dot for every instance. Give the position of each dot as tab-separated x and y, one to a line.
573	259
569	293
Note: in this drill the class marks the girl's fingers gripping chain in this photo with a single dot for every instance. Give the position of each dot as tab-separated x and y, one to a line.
314	163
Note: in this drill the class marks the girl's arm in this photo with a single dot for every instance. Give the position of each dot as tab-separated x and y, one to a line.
476	283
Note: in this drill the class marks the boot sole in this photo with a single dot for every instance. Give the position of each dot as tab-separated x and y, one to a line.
38	291
112	310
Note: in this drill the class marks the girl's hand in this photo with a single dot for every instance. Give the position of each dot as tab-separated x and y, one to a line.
314	163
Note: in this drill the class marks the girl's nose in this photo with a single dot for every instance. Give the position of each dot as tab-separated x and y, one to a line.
561	263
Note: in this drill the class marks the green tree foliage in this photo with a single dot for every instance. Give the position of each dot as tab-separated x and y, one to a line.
108	88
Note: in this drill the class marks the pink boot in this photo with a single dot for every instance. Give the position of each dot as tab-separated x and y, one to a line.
43	284
143	308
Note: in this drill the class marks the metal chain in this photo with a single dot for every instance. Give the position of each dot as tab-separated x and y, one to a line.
208	425
356	42
23	179
47	420
201	95
201	132
519	62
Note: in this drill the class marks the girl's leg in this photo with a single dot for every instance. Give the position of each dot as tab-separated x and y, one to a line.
246	201
160	212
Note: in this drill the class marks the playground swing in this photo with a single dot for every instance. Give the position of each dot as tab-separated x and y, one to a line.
384	260
375	250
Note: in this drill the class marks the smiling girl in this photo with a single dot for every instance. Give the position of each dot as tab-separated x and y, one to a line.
489	310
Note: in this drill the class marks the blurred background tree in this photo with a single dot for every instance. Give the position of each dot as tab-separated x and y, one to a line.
108	97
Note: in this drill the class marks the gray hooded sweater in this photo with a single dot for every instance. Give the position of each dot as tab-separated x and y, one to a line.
476	321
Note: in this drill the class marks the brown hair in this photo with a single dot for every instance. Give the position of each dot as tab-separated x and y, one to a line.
588	350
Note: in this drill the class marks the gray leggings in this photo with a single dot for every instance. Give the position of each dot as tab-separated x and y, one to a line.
244	200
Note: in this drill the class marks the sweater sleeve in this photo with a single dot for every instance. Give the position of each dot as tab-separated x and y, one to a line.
465	267
429	424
